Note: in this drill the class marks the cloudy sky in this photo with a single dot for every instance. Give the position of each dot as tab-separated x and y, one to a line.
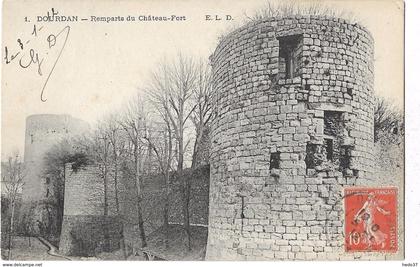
102	65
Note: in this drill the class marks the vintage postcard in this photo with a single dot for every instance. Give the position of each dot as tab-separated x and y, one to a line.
202	130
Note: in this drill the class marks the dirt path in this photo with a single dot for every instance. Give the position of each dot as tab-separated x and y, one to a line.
40	249
53	251
30	248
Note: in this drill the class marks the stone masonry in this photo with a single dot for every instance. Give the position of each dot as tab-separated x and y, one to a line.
43	131
85	225
294	125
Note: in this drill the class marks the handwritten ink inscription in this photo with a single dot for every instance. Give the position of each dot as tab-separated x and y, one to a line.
371	219
41	52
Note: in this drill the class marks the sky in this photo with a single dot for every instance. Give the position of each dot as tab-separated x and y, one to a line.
102	65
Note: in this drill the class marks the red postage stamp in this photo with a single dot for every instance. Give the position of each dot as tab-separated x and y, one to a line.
370	219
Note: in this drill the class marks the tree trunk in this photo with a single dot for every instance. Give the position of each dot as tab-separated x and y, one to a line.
117	205
196	147
141	224
60	202
166	218
186	210
139	198
180	153
166	198
105	190
185	181
106	212
49	222
12	218
117	202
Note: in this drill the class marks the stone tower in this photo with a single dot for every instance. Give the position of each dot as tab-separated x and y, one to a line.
42	132
294	125
85	226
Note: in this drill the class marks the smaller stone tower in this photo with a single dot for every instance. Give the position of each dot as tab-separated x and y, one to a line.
89	225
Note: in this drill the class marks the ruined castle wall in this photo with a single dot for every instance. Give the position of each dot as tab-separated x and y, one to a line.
294	124
86	228
153	203
85	225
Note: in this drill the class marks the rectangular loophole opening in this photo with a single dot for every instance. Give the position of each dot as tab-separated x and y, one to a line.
333	123
329	147
311	153
275	160
290	54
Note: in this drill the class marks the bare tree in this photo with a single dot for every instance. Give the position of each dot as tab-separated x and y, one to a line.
133	123
163	152
203	112
114	132
171	91
101	148
388	121
12	178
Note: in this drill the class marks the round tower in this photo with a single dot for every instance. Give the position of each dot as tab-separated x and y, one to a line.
294	125
42	132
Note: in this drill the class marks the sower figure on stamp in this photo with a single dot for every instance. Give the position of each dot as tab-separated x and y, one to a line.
366	214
